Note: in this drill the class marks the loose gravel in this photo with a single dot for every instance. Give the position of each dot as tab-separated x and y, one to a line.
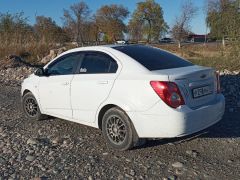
59	149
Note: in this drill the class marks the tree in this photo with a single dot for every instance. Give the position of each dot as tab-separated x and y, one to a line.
109	19
148	19
181	27
47	31
94	30
135	30
75	19
91	32
14	29
223	19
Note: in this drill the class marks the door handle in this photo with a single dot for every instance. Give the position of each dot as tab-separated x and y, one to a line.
66	84
102	82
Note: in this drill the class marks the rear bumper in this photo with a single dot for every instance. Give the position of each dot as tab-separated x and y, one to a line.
169	122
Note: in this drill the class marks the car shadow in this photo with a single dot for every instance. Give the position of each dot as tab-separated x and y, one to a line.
228	127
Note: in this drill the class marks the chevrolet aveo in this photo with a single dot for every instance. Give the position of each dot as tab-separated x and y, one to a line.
130	92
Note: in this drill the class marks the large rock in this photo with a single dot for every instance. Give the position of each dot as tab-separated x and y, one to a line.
46	59
32	141
52	54
177	165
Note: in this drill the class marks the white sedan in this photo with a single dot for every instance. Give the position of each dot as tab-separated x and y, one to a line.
130	92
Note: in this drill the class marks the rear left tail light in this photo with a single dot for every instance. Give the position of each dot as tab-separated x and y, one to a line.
168	92
218	87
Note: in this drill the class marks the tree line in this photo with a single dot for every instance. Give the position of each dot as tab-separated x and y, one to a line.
223	19
82	26
108	24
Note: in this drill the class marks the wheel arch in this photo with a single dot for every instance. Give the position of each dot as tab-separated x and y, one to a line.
103	110
30	90
35	94
26	91
101	113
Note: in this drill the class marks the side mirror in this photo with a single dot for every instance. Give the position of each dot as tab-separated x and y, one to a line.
40	72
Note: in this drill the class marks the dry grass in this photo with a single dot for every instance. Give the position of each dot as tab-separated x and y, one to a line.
30	52
211	55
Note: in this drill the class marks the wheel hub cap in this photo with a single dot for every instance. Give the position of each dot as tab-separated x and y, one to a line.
116	130
31	107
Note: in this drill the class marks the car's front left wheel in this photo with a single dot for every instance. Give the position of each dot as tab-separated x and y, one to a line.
31	108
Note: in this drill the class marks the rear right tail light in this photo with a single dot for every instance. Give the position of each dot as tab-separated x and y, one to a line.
168	92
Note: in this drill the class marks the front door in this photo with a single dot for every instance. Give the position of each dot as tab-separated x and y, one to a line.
54	89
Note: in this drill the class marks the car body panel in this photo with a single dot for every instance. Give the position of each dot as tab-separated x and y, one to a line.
30	84
54	95
166	123
88	92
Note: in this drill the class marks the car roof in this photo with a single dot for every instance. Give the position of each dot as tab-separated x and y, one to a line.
108	47
125	60
104	46
122	45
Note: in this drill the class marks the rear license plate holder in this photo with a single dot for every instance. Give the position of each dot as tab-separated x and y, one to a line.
201	91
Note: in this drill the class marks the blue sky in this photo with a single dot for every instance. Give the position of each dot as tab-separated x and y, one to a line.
54	9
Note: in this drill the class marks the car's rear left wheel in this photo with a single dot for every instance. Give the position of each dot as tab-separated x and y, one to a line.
31	108
118	130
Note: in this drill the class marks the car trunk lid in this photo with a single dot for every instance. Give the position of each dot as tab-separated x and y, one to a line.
196	83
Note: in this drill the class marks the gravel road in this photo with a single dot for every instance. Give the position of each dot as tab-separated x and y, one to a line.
58	149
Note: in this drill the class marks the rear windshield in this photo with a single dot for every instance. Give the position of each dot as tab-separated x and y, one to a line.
153	58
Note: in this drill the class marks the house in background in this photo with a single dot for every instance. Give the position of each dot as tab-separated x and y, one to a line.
198	38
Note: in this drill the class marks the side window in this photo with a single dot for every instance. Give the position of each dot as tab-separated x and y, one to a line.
95	63
66	65
113	67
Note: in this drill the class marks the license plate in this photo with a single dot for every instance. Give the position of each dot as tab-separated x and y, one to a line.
202	91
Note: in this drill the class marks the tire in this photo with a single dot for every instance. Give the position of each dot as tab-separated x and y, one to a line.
30	107
118	130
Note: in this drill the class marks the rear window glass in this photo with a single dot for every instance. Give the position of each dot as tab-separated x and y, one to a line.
153	58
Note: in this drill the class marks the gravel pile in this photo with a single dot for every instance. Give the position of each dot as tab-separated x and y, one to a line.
230	87
15	75
59	149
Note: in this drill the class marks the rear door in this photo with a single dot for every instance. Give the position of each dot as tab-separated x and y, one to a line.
92	84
